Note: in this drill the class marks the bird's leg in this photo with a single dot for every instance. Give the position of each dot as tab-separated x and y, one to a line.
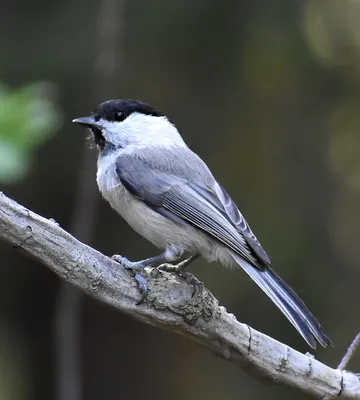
137	266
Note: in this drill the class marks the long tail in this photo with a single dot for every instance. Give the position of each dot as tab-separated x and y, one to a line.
288	302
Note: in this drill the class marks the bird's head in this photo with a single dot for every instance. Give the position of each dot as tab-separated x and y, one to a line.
126	123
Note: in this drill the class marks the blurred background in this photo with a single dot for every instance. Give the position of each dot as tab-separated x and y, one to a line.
267	92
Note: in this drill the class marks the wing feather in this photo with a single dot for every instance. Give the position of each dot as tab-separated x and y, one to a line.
240	222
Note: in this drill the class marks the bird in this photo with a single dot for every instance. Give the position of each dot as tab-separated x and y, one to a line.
167	194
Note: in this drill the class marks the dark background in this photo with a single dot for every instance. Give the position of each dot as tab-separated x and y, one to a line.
267	92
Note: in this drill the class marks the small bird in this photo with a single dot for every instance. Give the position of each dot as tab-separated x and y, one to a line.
168	195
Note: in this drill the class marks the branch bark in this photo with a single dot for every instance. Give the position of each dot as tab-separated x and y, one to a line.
170	306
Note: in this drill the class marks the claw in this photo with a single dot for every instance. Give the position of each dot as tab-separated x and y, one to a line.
142	285
192	281
180	271
133	267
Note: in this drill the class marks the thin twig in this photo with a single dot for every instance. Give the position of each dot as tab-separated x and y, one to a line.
345	360
171	305
350	352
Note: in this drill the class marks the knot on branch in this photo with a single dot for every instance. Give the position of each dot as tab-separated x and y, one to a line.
190	300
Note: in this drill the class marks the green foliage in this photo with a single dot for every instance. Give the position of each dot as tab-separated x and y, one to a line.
28	117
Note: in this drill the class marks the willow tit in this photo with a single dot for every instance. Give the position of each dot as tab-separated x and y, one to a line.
169	196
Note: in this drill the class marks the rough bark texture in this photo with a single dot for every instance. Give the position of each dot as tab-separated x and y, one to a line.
171	306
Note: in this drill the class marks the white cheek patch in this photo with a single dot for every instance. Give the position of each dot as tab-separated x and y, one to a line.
113	132
139	130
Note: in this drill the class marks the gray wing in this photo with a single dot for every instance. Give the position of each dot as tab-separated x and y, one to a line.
240	222
201	202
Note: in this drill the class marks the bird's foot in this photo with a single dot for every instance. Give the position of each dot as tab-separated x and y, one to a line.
135	268
179	269
138	266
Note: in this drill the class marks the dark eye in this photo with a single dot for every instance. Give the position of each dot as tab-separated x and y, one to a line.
119	116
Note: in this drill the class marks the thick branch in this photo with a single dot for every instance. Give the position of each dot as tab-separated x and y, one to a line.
170	306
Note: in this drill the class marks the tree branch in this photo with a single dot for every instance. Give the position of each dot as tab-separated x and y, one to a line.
170	306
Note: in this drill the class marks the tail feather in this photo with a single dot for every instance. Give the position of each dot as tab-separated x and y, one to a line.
288	302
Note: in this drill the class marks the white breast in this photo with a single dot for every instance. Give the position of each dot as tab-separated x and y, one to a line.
110	186
147	222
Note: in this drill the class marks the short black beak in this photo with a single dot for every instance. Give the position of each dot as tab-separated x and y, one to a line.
86	121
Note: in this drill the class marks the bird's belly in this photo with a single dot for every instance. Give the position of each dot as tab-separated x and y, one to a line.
156	228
